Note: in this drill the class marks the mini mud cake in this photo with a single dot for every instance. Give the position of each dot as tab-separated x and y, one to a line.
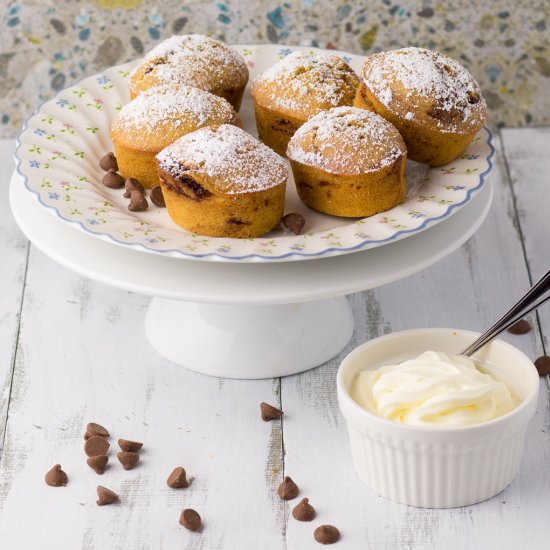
222	182
193	60
296	88
432	100
155	119
348	162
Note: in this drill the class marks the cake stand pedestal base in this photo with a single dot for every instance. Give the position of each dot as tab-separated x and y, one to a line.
239	341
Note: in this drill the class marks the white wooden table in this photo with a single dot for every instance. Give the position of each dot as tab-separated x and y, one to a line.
73	351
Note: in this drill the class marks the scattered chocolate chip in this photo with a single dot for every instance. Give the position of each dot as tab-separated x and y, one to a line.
128	459
190	519
288	489
56	477
294	222
95	429
521	327
131	184
543	365
96	445
303	511
177	479
157	198
108	162
269	412
326	534
98	463
138	202
106	496
113	180
129	446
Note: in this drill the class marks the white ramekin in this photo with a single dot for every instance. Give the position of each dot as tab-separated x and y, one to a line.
437	467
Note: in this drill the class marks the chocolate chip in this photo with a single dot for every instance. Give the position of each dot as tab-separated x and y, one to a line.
56	477
303	511
130	446
132	184
106	496
95	429
157	198
543	365
288	489
294	222
96	445
473	97
177	479
98	463
138	202
269	412
113	180
190	519
128	459
521	327
108	162
326	534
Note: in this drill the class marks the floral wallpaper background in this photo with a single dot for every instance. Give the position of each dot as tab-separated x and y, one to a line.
45	45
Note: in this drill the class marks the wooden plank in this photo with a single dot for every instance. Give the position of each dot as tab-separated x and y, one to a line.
527	153
13	253
81	357
469	289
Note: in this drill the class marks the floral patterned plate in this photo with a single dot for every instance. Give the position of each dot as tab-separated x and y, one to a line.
59	148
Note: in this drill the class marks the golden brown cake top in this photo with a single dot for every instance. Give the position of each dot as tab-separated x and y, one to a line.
227	159
301	85
426	87
159	116
193	60
347	141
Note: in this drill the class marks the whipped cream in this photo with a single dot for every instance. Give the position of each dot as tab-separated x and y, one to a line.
433	388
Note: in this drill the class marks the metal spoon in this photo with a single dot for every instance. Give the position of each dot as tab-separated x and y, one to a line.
532	299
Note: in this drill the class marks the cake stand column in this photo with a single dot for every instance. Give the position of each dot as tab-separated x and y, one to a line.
241	341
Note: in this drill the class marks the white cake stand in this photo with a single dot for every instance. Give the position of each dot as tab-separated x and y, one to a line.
244	320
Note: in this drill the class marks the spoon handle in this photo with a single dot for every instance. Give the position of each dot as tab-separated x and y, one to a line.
535	297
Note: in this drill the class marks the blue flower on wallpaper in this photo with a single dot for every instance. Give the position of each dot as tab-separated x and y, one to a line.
34	164
493	73
154	33
40	132
103	79
53	196
156	18
62	103
276	18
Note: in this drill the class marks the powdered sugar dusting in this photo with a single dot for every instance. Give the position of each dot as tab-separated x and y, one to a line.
308	82
159	107
236	161
412	75
194	59
346	140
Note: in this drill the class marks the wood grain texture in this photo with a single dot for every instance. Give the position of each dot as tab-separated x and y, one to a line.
81	356
13	260
469	289
528	161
